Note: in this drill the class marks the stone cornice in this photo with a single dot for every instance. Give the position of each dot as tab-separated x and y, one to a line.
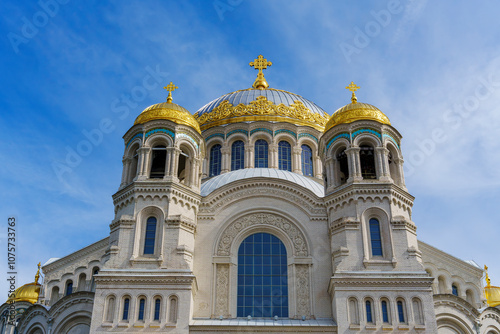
285	190
158	278
429	253
181	221
78	255
153	188
380	279
370	190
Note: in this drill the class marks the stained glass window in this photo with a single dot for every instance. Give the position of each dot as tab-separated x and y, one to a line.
261	157
237	155
285	156
215	160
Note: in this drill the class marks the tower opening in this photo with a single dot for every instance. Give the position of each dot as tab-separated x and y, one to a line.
159	159
343	170
367	160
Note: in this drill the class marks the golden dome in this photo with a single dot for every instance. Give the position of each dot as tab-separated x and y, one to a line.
26	293
168	111
356	111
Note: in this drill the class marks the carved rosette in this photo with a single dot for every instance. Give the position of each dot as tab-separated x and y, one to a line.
303	289
287	227
222	290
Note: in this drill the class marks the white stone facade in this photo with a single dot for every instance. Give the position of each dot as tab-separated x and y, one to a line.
188	282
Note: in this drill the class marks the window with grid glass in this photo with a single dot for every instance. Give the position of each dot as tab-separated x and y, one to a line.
238	155
262	277
215	160
261	149
307	161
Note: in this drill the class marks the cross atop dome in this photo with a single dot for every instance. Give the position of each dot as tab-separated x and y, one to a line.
260	64
170	87
352	87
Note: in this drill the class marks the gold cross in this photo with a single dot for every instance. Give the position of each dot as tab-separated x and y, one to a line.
352	87
260	64
170	87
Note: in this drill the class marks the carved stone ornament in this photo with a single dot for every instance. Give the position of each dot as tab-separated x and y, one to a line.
222	290
302	281
287	227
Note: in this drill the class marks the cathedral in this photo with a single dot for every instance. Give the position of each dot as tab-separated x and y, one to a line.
259	213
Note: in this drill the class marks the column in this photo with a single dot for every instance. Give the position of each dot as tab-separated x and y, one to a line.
169	161
318	167
383	164
125	172
354	164
249	158
273	156
225	163
296	161
175	164
330	182
192	174
143	163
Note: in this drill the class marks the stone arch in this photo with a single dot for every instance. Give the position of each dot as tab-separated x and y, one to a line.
281	225
159	138
451	324
141	220
385	231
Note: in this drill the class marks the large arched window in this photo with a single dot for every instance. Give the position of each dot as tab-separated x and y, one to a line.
375	237
215	160
307	161
158	162
367	161
285	156
262	277
150	235
261	156
238	155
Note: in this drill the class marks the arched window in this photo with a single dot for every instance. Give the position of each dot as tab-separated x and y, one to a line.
261	154
307	161
375	237
82	282
183	167
285	156
54	295
385	311
454	290
126	306
238	155
149	237
157	309
158	162
92	283
69	288
401	311
110	310
142	305
469	296
215	160
369	311
353	311
343	167
367	161
418	314
172	312
262	277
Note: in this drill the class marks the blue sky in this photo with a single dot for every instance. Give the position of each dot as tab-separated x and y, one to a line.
79	68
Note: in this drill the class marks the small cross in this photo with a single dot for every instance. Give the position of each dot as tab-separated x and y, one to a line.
170	87
352	87
260	63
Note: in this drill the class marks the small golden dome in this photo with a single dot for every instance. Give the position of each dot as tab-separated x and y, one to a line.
26	293
168	111
356	111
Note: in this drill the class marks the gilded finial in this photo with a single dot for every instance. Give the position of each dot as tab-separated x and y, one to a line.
487	278
352	87
37	276
260	64
170	87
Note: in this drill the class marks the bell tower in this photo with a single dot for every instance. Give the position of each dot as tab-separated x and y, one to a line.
148	280
378	281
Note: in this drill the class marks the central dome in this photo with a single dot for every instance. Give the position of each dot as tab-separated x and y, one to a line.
255	104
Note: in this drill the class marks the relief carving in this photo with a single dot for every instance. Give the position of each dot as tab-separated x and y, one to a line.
303	288
222	290
295	235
